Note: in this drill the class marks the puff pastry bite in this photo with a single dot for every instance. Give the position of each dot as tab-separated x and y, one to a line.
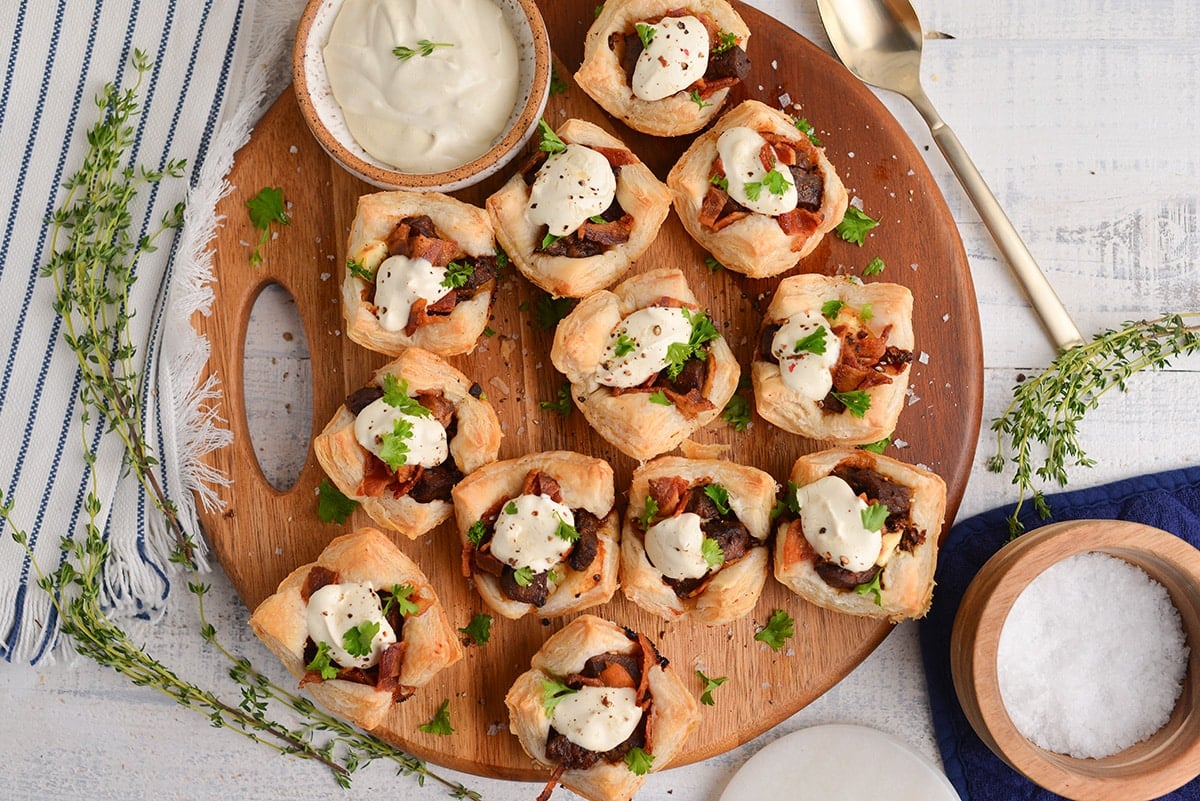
861	533
664	68
361	627
694	543
540	533
756	192
834	357
420	272
601	708
647	366
572	238
400	444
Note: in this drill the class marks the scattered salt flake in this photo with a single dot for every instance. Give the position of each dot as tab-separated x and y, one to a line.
293	150
326	276
913	399
857	202
946	317
899	444
775	66
923	466
766	685
850	155
790	652
1091	657
923	358
785	100
494	728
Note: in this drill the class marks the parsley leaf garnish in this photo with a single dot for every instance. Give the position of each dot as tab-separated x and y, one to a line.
874	516
779	627
638	761
813	343
645	33
440	724
523	576
552	692
356	267
547	311
725	41
737	412
714	555
562	401
878	446
695	97
550	142
787	502
712	264
775	182
477	532
720	182
649	510
805	127
874	266
510	508
332	505
395	394
565	531
867	312
479	629
457	274
830	309
400	599
549	239
873	587
323	663
753	189
706	697
703	331
424	49
855	225
624	345
557	84
719	496
265	208
357	640
394	446
660	398
856	401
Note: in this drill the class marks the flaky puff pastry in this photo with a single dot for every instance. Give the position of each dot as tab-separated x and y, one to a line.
629	420
890	307
755	245
586	483
365	555
735	588
475	442
639	193
907	578
376	217
603	78
673	712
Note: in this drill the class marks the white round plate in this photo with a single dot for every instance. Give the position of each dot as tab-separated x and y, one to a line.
838	762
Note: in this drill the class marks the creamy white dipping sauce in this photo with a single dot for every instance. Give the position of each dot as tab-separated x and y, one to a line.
525	533
335	609
571	187
809	371
831	514
597	718
429	113
739	149
400	282
676	546
427	443
643	339
676	57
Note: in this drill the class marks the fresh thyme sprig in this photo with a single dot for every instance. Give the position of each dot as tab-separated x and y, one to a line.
92	267
1047	408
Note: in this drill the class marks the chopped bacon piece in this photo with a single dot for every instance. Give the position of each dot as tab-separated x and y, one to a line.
785	149
848	377
798	222
443	305
317	578
667	493
649	660
796	547
390	662
766	156
538	482
616	156
711	206
690	404
608	234
376	478
706	87
552	782
436	251
730	219
435	401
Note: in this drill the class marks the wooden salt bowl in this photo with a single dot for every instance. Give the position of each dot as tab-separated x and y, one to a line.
1163	762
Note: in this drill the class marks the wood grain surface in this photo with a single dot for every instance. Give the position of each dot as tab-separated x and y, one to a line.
262	533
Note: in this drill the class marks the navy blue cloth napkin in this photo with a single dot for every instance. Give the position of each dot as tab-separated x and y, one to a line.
1169	501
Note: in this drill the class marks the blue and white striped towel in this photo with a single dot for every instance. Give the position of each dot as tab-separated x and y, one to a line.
215	64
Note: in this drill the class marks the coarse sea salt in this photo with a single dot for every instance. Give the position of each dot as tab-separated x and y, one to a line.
1091	657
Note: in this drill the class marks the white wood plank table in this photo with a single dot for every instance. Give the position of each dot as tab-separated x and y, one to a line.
1083	117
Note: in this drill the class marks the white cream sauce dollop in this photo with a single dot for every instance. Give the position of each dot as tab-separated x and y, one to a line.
739	149
597	718
807	373
648	333
676	57
676	546
335	609
569	188
428	113
525	533
399	282
427	444
831	514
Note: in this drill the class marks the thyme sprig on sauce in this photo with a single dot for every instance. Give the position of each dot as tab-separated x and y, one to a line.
424	49
92	267
1047	408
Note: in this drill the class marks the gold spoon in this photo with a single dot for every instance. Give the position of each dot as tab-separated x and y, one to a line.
880	42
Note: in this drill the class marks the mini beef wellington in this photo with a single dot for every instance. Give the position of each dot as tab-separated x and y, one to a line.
647	366
540	534
834	357
361	627
400	444
694	543
578	216
420	272
601	708
861	533
664	68
756	192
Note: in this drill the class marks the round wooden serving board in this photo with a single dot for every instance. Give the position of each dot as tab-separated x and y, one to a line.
262	534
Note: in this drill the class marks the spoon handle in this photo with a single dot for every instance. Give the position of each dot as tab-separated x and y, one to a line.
1054	315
